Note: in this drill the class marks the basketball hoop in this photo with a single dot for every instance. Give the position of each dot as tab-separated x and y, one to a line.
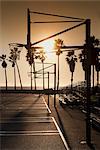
16	45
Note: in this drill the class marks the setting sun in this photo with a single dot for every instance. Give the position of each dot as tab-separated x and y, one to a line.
48	46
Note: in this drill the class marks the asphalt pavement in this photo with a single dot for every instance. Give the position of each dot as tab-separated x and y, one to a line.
26	123
72	122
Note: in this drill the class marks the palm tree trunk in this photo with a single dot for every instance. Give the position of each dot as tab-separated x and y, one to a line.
19	75
54	85
71	81
58	74
14	78
34	75
43	74
6	77
48	88
31	75
97	78
93	76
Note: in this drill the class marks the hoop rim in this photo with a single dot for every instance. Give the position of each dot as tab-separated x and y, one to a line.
16	44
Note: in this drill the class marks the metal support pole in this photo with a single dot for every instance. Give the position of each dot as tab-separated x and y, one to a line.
88	82
48	88
54	85
28	30
29	39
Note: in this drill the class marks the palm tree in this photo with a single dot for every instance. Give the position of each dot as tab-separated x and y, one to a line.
58	45
94	57
4	65
41	56
71	59
30	63
33	61
94	60
13	65
30	58
82	58
14	56
97	64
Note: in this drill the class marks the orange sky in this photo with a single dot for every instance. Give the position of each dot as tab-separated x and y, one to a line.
13	28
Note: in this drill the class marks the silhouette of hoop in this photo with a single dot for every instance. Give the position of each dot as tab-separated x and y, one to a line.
16	45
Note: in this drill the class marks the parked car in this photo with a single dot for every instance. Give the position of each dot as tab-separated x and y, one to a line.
69	100
62	99
95	117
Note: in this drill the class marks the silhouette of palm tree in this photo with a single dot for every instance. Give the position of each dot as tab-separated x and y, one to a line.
4	65
82	58
13	65
30	58
58	45
94	57
96	43
14	56
30	61
71	59
33	62
41	55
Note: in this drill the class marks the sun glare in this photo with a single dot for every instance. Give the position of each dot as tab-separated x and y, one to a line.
48	46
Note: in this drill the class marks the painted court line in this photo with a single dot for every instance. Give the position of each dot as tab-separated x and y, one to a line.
31	131
29	134
46	105
27	119
29	112
24	107
61	135
33	117
34	133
